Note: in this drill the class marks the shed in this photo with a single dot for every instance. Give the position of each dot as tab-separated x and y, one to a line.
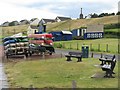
61	35
94	31
78	32
90	32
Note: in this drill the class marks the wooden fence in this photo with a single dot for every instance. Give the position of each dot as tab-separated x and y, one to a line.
92	47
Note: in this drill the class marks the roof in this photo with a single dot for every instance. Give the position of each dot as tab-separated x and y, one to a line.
66	32
35	22
33	27
63	18
48	20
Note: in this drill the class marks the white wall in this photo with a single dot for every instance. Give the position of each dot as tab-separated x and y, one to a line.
95	28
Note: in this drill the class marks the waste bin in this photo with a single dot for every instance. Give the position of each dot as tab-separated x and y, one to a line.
85	51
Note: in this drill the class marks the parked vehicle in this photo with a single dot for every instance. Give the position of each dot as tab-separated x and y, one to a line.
41	43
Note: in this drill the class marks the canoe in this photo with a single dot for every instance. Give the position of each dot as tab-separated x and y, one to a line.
9	42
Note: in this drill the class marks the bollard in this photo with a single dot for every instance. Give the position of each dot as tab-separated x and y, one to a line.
24	57
61	55
101	55
91	55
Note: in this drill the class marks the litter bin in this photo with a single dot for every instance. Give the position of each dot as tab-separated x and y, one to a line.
85	51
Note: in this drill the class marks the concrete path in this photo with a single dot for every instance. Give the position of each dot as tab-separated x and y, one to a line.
3	78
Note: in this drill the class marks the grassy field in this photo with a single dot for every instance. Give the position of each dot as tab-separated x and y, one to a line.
7	31
73	24
58	73
97	45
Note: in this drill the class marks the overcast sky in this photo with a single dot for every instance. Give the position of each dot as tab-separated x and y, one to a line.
26	9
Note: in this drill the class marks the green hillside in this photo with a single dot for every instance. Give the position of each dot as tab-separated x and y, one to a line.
7	31
64	25
72	24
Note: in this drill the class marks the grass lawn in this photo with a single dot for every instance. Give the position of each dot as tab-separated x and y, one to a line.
58	73
93	44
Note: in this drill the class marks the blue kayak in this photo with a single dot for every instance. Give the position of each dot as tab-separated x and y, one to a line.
7	38
9	42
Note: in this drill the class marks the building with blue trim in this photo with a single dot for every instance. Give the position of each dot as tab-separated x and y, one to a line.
90	32
61	35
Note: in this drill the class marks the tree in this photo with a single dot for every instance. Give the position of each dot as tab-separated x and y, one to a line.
101	15
94	15
112	13
118	13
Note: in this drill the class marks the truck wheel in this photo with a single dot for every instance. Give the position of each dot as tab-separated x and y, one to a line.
50	53
26	54
30	54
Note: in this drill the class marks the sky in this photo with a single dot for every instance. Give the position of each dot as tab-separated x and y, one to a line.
12	10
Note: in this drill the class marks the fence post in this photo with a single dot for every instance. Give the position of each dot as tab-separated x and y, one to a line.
2	33
14	31
98	47
70	46
8	32
60	45
63	45
77	47
118	48
90	47
106	47
74	85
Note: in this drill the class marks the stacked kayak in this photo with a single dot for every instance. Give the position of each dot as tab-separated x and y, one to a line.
16	46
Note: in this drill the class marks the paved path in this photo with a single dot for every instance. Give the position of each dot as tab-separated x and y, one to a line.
3	78
95	55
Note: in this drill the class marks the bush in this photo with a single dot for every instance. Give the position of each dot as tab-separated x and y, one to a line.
112	26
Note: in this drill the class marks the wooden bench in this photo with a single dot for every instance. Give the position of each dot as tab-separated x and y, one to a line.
108	65
77	55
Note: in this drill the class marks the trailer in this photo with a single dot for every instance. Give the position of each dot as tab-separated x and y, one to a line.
41	43
16	46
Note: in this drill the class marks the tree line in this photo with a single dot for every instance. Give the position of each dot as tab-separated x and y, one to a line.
94	15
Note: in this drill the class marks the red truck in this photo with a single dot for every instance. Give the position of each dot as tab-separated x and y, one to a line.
39	43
